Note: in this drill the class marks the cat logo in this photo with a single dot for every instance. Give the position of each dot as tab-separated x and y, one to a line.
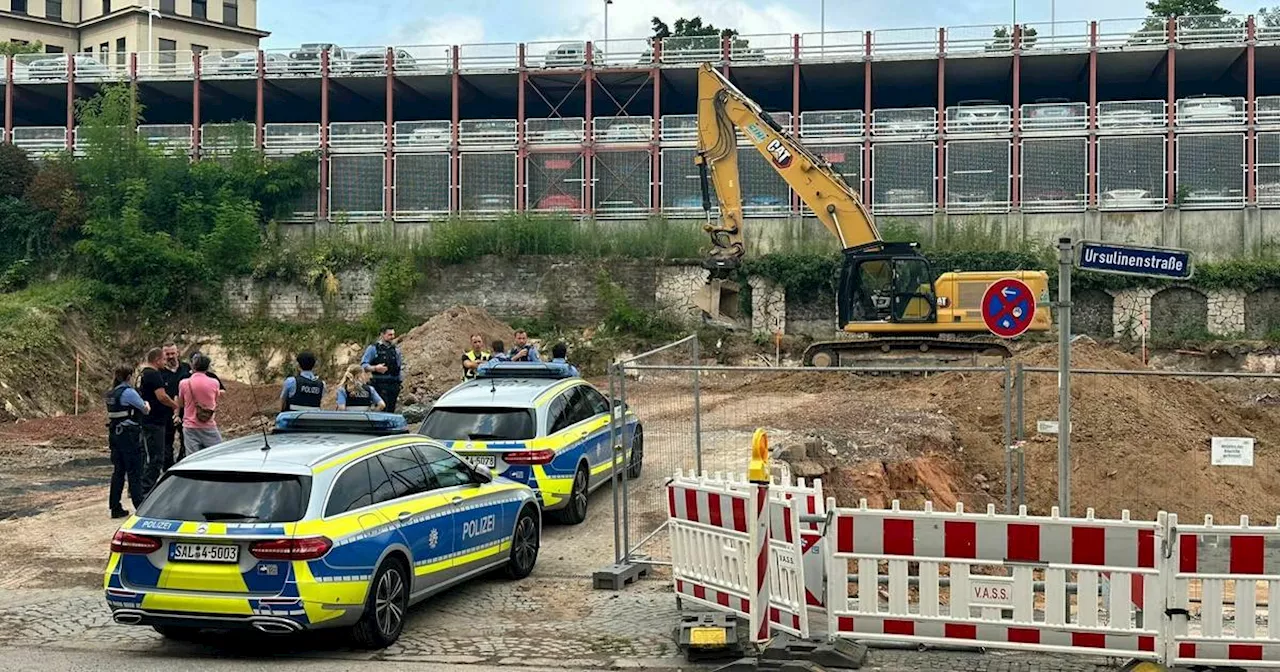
781	155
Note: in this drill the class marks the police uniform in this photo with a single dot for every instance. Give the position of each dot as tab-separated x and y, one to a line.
387	384
308	393
124	436
362	397
473	356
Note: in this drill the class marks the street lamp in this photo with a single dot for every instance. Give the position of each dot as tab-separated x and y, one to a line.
152	14
822	25
606	19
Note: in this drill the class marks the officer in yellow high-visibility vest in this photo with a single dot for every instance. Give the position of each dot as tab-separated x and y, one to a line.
473	358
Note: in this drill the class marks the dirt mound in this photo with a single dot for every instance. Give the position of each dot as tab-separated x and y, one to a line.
1138	443
432	350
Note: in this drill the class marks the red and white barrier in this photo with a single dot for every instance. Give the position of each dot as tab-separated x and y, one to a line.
812	504
992	563
1218	559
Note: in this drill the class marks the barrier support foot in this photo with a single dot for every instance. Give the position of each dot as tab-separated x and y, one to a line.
785	653
619	576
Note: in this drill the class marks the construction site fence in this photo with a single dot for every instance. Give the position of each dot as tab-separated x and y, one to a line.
1079	586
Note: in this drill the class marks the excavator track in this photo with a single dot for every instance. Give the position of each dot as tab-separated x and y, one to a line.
924	351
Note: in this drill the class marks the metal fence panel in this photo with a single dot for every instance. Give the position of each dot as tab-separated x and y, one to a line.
169	137
290	138
356	184
903	41
1054	174
357	136
556	130
831	124
749	49
487	132
1217	30
436	134
1268	189
622	130
1267	110
622	52
1054	117
225	138
1131	172
681	193
977	175
488	181
1210	170
1148	33
435	59
1132	115
422	184
1205	111
491	57
679	128
691	51
623	182
305	206
359	62
845	160
903	177
844	45
764	192
912	121
979	119
555	181
978	39
1057	36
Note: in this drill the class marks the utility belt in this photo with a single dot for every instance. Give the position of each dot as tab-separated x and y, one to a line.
384	379
125	428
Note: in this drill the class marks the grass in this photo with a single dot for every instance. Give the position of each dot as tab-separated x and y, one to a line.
32	319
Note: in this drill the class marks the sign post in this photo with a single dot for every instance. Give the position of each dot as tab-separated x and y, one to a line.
1066	258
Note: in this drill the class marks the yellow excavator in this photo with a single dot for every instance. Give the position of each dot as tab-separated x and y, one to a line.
888	297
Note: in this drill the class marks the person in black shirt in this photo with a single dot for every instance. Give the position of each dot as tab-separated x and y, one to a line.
152	389
175	371
382	359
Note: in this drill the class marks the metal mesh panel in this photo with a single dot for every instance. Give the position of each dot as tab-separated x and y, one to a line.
979	39
422	134
1132	114
831	123
902	177
677	127
1210	111
1212	29
1132	33
555	181
488	181
845	160
691	50
844	45
1055	117
223	138
361	135
355	184
764	191
681	193
487	131
1054	172
40	138
759	48
978	175
304	207
1210	170
169	137
290	138
1267	110
904	41
422	184
1268	169
979	119
623	181
904	121
556	130
1131	172
623	130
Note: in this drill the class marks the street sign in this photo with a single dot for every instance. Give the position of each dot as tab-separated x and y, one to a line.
1008	306
1123	259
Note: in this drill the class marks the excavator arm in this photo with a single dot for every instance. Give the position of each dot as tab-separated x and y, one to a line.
723	110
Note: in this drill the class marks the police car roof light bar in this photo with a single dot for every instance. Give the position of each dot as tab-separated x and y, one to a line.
341	422
548	370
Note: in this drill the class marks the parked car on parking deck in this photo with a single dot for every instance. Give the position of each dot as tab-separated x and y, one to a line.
55	67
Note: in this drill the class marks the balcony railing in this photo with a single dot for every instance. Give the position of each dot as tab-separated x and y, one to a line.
40	139
831	124
1054	117
169	137
1132	115
845	45
623	130
290	138
556	131
979	119
487	132
904	122
679	128
357	136
410	135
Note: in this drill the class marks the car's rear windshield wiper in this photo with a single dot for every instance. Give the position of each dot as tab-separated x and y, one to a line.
227	515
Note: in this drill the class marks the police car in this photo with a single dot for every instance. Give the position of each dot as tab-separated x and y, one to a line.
335	519
536	423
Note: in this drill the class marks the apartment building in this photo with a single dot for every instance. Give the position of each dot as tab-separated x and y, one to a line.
111	29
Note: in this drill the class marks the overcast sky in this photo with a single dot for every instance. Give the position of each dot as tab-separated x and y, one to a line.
428	22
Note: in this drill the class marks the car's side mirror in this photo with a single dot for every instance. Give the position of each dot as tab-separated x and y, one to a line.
483	474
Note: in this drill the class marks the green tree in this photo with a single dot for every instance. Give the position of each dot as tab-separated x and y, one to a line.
1170	8
695	36
1196	15
1002	40
1268	17
13	48
55	190
16	170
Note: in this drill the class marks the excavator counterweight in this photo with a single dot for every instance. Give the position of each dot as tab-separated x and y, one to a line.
891	304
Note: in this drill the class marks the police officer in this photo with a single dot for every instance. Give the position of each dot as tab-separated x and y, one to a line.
305	391
473	358
382	359
558	353
125	410
356	394
524	351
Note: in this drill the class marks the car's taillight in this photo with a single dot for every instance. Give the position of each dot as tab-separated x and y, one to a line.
128	542
304	548
530	457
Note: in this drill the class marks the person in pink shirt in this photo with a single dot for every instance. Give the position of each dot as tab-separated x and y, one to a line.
198	397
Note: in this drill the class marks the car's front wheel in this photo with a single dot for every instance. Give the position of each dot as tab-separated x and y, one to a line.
525	542
384	608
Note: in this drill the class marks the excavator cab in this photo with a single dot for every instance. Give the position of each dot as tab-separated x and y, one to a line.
888	283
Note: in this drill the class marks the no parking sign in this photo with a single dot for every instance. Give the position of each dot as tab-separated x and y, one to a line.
1008	307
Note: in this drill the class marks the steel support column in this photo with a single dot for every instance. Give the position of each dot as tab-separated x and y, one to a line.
866	119
1092	183
196	134
324	135
1170	150
940	169
9	90
455	161
795	106
655	152
1251	158
260	104
71	102
522	143
589	150
1015	144
389	167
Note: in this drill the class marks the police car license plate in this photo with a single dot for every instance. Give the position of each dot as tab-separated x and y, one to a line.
204	552
490	461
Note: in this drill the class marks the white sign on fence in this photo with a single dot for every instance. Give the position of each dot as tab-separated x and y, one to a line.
990	591
1047	426
1232	451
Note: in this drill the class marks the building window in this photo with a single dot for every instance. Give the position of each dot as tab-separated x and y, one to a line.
200	9
104	52
231	12
52	49
19	6
53	9
122	54
169	6
167	49
106	7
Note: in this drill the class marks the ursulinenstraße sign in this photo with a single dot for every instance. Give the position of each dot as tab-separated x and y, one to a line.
1134	260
